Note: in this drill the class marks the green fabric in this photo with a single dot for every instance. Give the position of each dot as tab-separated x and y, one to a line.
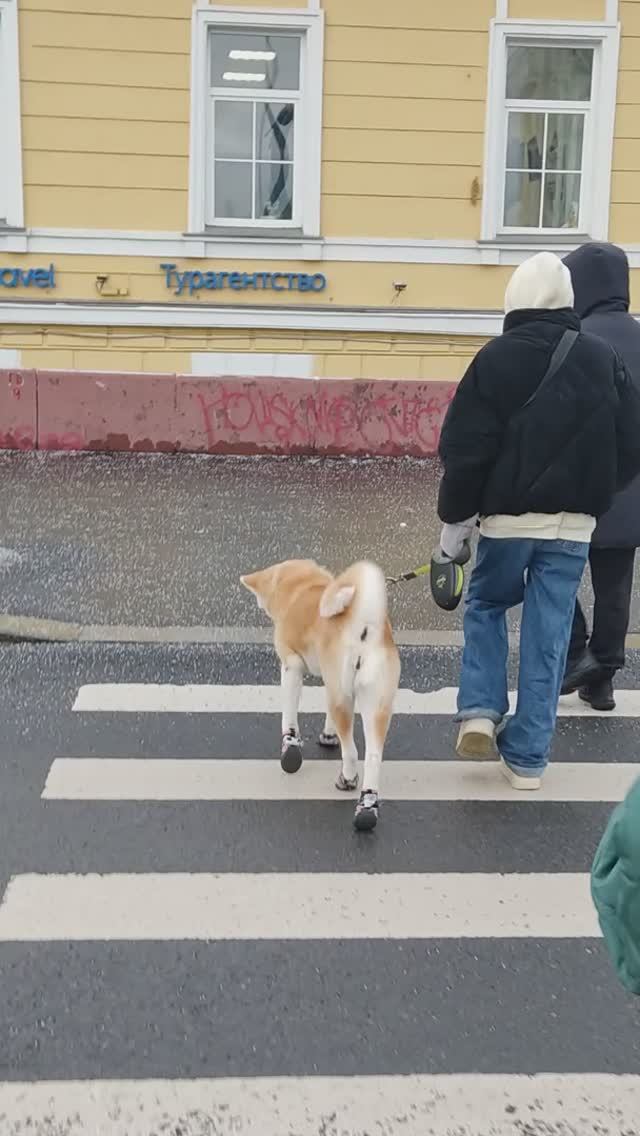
615	887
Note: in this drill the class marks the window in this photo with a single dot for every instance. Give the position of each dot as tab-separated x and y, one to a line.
256	122
255	96
550	130
11	204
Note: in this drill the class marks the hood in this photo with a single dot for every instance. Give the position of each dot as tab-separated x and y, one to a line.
542	281
600	276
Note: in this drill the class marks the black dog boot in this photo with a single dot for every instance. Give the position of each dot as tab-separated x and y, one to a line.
366	814
599	694
291	754
329	741
346	786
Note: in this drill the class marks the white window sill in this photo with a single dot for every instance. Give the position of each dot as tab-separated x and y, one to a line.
269	232
535	240
13	239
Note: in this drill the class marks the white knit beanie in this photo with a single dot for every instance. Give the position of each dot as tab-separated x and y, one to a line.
542	281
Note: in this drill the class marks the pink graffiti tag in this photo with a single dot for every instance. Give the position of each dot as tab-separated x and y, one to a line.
358	421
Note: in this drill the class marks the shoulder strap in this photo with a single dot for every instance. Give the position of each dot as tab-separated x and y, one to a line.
567	341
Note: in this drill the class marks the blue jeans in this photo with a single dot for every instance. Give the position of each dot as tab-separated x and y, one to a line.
548	591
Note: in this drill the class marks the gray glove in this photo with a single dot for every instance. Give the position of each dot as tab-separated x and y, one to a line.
453	538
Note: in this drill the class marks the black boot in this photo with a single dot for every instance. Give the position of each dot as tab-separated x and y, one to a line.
580	672
599	694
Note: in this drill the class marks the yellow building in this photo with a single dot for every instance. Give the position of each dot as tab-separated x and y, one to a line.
336	190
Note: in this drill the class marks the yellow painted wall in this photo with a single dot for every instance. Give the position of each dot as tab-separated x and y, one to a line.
106	106
106	115
105	90
625	182
349	284
557	9
169	350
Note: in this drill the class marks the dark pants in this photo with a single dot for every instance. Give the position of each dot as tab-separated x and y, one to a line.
612	579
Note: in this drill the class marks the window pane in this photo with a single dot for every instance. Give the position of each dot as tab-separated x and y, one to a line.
233	190
561	208
549	73
274	132
565	133
274	192
233	127
525	141
249	59
522	201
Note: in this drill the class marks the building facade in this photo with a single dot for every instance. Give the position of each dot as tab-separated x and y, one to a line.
333	190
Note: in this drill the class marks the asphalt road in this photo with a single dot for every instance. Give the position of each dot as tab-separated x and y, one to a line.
120	1018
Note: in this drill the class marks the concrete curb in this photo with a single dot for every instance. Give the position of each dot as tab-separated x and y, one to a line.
99	411
28	629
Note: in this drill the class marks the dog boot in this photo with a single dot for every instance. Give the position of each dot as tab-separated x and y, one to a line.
329	741
346	786
291	754
366	814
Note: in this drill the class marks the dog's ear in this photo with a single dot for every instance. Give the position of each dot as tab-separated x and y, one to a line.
257	584
251	582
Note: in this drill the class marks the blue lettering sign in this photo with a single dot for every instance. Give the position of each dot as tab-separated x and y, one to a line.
192	282
28	277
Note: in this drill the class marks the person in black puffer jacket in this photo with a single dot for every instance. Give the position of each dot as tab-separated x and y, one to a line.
543	430
600	278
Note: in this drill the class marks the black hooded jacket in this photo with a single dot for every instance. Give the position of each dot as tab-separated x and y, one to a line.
568	451
600	277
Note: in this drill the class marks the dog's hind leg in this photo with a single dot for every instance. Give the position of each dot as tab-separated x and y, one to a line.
329	737
341	713
376	716
291	683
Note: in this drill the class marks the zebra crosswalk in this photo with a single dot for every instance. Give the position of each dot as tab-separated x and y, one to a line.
212	950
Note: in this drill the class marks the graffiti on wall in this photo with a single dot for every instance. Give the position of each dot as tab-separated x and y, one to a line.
356	421
153	413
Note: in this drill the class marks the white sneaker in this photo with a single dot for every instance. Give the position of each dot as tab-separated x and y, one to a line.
516	781
476	738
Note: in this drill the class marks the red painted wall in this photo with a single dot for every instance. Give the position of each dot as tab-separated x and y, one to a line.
56	410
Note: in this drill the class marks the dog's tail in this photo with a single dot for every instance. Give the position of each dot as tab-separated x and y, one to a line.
362	590
361	594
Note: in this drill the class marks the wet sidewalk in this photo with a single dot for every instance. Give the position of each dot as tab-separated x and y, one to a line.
133	541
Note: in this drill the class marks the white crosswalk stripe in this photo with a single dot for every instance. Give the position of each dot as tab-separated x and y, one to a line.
184	779
376	907
136	698
297	906
504	1105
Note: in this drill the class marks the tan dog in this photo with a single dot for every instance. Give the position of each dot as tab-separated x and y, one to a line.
337	629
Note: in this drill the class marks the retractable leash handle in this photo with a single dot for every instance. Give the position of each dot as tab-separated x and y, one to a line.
447	577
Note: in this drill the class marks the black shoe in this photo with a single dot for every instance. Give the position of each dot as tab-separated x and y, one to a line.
580	672
599	694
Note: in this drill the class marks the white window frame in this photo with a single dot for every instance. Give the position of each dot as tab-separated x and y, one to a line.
598	140
11	193
308	126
